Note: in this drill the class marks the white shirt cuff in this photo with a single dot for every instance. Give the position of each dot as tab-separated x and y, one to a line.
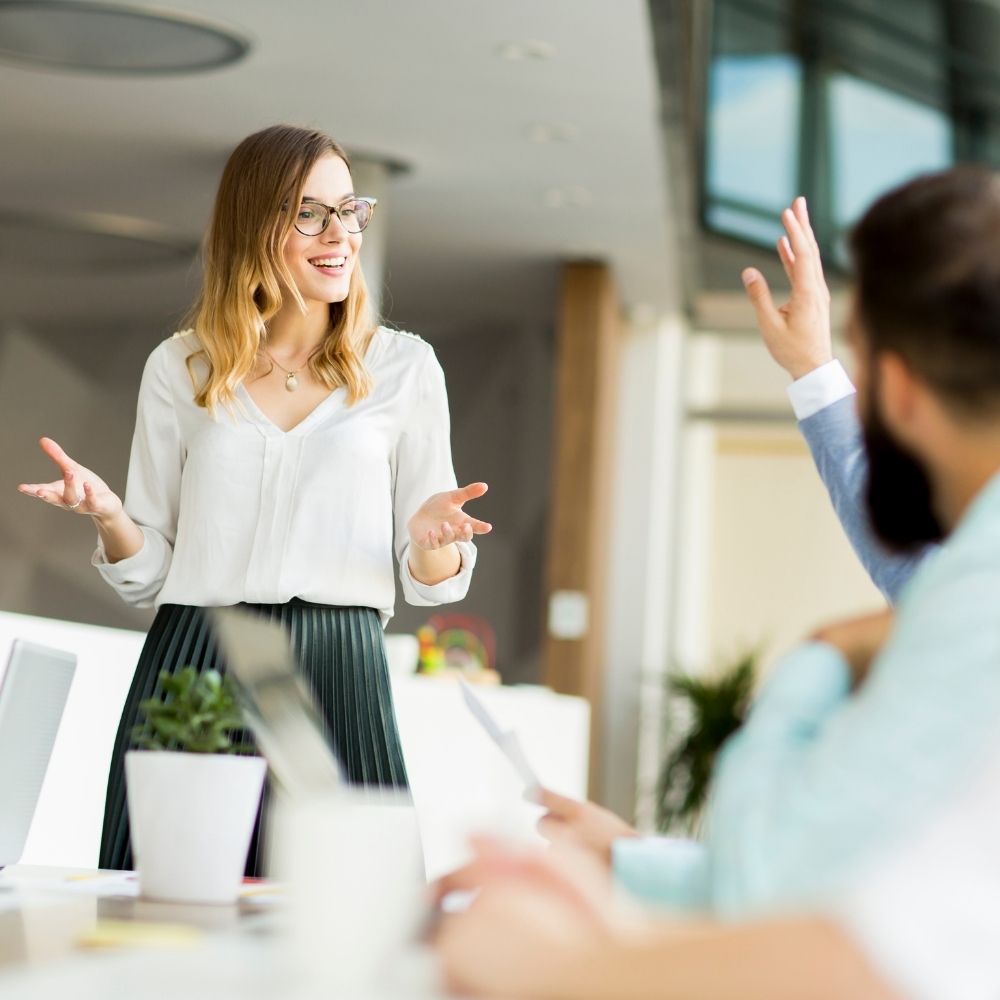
819	389
138	578
447	591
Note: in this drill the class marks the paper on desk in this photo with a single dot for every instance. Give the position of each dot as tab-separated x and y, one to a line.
505	739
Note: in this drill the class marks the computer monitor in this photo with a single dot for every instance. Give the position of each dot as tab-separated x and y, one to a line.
32	698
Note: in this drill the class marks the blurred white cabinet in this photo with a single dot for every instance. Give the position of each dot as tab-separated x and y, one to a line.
459	780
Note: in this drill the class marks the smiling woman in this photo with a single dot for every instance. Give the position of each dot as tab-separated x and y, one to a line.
285	446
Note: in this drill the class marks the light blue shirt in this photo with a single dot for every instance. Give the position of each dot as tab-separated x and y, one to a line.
819	781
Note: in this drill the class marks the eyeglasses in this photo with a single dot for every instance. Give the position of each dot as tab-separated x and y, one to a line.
354	214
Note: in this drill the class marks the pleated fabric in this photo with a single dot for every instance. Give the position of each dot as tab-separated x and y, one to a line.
341	653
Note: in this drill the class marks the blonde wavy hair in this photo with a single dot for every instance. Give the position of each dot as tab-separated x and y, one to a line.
245	279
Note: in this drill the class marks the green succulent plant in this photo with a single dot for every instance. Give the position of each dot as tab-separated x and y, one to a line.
715	707
197	713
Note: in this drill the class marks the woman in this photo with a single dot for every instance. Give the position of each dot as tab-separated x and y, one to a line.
283	446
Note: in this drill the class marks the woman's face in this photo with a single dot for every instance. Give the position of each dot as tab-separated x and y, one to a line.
321	265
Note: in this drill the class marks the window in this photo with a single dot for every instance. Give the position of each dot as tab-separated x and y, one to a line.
840	100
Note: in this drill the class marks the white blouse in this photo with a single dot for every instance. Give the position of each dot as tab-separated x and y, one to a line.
234	509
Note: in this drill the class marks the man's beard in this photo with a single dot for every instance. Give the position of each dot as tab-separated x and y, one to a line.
898	492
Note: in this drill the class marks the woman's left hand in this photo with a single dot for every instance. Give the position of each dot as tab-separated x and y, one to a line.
441	520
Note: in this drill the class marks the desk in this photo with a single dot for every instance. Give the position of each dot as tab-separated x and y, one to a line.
219	952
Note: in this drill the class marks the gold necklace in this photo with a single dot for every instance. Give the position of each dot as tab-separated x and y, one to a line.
291	377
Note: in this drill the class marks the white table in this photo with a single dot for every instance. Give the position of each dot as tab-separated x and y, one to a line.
164	951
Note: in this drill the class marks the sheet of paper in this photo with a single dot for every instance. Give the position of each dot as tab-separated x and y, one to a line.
506	740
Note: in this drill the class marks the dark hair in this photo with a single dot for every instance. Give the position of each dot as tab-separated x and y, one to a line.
927	257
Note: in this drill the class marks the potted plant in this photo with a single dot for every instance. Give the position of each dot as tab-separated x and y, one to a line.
193	791
702	713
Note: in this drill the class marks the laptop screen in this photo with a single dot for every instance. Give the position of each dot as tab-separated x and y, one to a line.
32	698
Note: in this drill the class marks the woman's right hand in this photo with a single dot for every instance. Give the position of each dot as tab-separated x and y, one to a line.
797	334
79	490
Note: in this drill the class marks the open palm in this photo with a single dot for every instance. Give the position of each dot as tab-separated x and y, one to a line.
80	489
797	334
441	520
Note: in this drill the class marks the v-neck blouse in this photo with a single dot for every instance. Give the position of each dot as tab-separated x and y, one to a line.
234	509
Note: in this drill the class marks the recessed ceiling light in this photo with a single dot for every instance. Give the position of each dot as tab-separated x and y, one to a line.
542	133
524	51
573	196
88	241
106	38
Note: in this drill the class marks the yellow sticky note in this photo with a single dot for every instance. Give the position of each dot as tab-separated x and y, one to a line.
140	934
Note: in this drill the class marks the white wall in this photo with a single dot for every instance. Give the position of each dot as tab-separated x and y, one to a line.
757	558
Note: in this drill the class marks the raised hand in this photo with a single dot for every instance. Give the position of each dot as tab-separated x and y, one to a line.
441	520
797	334
79	489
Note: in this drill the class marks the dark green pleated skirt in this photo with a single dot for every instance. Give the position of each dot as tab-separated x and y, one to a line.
341	653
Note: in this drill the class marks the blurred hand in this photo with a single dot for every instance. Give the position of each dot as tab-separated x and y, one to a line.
79	489
441	520
534	911
860	640
512	941
581	824
797	334
573	874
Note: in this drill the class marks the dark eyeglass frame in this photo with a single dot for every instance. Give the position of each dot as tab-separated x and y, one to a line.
332	210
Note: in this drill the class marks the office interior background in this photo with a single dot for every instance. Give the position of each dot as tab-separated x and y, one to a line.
568	191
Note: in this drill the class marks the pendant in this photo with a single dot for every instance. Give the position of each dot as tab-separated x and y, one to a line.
291	382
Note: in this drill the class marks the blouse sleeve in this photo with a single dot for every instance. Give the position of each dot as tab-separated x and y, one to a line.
423	467
152	492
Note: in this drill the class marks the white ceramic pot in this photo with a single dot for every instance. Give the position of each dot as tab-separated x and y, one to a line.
192	818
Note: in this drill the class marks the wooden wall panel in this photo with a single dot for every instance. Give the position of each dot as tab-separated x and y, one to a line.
587	340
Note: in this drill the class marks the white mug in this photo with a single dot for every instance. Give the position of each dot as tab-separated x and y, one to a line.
355	875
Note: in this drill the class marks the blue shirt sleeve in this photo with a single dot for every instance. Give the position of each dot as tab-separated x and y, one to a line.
834	438
663	872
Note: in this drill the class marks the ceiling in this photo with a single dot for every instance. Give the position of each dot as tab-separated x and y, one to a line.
473	241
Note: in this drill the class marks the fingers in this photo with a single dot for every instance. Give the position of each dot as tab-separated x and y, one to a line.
71	495
62	493
466	493
787	258
806	263
55	452
802	246
559	806
768	317
558	832
801	211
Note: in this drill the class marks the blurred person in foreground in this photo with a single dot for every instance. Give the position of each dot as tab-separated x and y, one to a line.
864	790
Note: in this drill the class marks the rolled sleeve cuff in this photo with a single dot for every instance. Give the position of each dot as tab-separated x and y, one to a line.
664	872
138	578
817	390
447	591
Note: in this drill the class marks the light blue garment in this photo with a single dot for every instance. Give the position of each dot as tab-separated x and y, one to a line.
818	781
664	872
834	438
